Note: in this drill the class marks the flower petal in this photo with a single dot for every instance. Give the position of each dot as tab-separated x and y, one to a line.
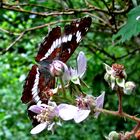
73	73
66	76
109	69
81	64
35	108
112	82
50	126
81	115
67	112
40	127
99	103
120	82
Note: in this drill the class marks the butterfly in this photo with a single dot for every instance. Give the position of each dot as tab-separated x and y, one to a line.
56	45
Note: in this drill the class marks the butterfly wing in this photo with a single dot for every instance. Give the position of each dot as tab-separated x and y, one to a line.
55	46
61	46
35	85
73	34
49	47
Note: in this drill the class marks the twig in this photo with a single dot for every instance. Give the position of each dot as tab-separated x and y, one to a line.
100	19
115	113
8	32
111	14
31	29
13	43
133	131
27	4
91	48
55	13
130	53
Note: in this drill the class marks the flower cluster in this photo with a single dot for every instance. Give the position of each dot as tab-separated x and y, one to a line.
59	108
116	77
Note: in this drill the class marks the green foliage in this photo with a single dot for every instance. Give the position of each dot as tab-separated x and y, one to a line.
98	47
131	28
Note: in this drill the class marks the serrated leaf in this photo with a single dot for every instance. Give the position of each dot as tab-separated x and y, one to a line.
131	28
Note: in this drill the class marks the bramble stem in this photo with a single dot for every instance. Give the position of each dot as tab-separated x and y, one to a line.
133	131
116	113
119	93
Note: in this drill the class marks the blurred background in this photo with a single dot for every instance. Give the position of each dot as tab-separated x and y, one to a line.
113	38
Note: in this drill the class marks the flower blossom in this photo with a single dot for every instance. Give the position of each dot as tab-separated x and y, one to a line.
83	108
115	75
129	87
46	115
75	74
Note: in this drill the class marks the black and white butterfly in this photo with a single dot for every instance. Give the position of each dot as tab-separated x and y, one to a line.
56	46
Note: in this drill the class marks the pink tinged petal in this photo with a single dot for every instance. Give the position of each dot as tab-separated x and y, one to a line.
112	80
81	64
120	82
81	115
66	76
67	112
73	73
99	103
36	109
40	127
109	69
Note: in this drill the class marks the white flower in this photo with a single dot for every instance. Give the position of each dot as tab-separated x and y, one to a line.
45	117
115	75
129	87
68	112
81	112
74	74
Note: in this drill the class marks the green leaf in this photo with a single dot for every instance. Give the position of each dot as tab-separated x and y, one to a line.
131	28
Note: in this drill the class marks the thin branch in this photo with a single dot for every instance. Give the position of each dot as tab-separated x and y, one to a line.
91	48
32	29
8	32
130	53
27	4
115	113
55	13
133	131
100	19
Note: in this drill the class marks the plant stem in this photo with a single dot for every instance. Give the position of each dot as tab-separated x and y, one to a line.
120	93
63	87
116	113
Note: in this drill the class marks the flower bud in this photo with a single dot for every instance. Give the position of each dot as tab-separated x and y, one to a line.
119	71
57	68
107	77
129	87
113	135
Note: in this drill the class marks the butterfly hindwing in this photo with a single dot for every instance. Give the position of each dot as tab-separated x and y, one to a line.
36	85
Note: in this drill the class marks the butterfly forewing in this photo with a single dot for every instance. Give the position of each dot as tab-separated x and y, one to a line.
74	34
48	46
